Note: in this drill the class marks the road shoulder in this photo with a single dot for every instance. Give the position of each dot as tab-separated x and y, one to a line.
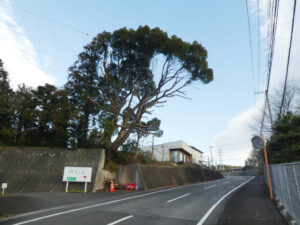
248	205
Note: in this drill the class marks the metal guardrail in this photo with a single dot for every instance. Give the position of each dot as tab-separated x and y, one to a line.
285	181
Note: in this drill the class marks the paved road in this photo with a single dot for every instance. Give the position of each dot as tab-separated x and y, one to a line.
181	205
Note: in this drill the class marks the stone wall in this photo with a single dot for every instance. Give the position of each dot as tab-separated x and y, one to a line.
36	169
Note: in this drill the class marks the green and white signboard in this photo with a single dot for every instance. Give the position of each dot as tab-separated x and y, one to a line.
77	174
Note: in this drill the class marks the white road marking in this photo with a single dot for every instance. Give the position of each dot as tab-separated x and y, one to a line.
120	220
210	187
182	196
105	203
207	214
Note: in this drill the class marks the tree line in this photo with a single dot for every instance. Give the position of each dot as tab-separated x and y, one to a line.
111	92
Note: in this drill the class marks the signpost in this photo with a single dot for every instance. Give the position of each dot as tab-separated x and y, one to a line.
77	174
4	185
258	144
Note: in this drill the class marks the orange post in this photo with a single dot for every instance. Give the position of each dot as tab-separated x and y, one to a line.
267	166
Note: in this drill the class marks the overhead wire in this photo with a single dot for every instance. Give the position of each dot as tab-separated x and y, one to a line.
258	44
288	60
251	49
273	9
48	19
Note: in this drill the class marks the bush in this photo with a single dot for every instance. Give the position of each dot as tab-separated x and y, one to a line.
123	157
144	157
111	166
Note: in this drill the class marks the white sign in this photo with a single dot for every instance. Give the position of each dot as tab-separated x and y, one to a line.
4	185
77	174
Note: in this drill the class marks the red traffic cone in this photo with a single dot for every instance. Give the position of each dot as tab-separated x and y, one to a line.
111	189
131	186
126	186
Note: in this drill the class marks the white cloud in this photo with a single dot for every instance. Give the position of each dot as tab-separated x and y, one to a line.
18	53
236	137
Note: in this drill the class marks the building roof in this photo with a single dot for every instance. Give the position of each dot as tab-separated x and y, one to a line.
196	149
174	145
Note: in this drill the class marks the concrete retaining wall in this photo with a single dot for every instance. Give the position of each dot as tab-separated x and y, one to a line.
149	177
164	176
36	169
252	172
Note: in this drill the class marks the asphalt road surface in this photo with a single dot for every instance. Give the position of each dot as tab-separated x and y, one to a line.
191	204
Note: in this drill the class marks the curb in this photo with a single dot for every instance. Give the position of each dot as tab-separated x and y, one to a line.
284	213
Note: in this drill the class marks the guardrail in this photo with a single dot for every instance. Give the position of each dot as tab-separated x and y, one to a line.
285	181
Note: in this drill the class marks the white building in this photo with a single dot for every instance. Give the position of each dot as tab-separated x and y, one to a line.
177	151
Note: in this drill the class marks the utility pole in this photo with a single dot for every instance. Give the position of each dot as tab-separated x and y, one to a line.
208	161
220	159
211	155
152	147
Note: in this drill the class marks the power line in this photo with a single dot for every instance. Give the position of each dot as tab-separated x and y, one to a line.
258	45
288	60
273	9
48	19
250	41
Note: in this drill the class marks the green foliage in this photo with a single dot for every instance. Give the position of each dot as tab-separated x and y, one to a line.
284	144
145	157
111	166
26	117
6	112
129	146
124	158
40	117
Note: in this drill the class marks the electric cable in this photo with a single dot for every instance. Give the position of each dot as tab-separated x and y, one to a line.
48	19
288	60
251	49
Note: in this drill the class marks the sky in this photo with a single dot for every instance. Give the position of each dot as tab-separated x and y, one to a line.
40	40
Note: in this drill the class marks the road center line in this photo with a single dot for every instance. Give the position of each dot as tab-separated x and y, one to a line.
120	220
207	214
182	196
106	203
210	187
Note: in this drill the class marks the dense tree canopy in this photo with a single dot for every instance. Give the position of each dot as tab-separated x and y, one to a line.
126	73
33	117
6	112
284	144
